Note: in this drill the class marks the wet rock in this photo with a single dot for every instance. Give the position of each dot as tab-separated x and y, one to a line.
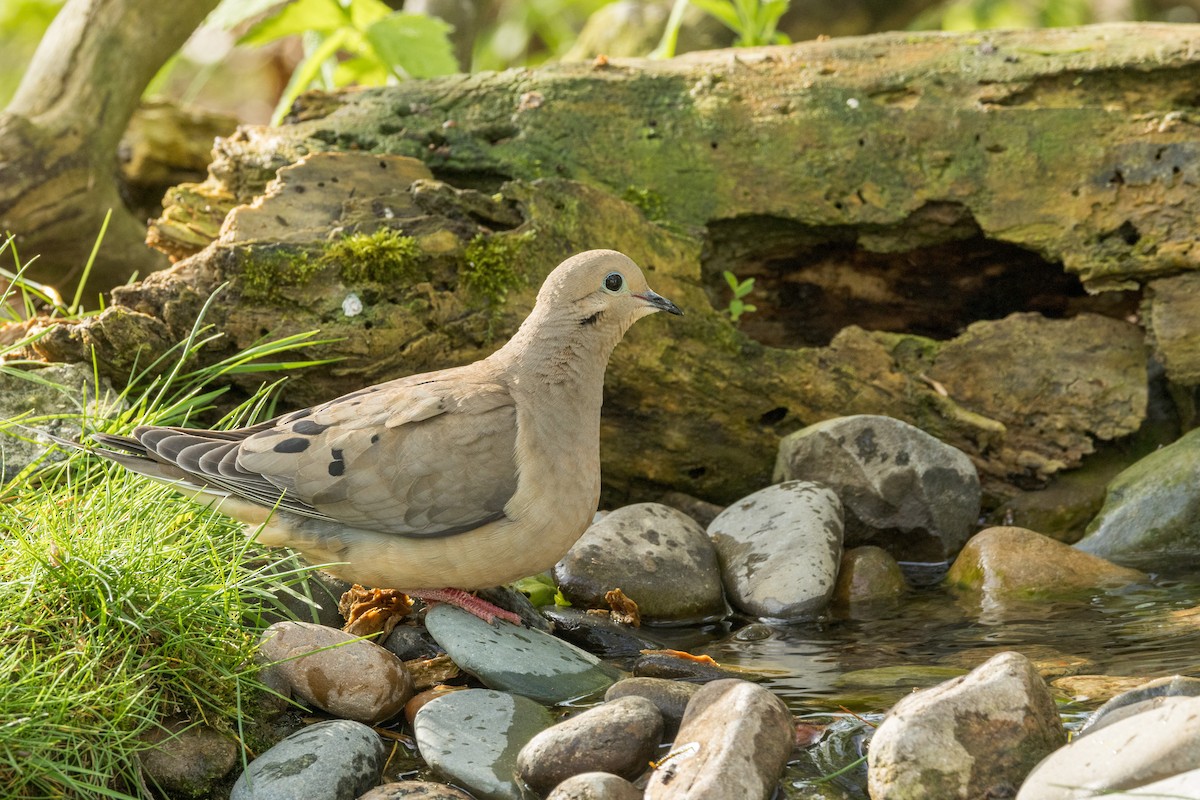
1084	688
471	738
407	642
415	790
734	742
347	677
188	759
779	550
702	511
678	665
869	581
656	555
1145	697
338	760
670	697
419	699
620	736
598	633
519	660
595	786
1129	754
1014	563
511	600
901	488
971	737
1048	661
1152	507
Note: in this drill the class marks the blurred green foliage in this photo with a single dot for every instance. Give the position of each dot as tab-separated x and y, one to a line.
354	42
367	42
22	23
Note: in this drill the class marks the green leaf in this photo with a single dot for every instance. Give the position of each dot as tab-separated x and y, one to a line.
413	45
365	13
722	10
302	16
731	279
363	70
307	70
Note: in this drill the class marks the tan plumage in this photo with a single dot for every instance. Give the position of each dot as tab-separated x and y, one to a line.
466	477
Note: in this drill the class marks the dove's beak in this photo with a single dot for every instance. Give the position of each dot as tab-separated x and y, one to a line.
659	303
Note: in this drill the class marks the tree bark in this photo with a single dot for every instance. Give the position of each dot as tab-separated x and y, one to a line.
59	135
903	171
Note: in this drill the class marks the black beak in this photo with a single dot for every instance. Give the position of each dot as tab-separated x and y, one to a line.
660	303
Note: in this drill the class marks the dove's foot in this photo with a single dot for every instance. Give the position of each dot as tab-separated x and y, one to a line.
468	602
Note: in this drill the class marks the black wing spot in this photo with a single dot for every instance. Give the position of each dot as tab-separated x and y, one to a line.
294	444
309	428
374	438
338	465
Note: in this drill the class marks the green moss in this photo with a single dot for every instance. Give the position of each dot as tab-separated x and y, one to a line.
649	201
383	256
488	269
267	269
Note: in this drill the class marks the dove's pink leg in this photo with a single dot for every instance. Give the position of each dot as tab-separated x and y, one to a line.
488	612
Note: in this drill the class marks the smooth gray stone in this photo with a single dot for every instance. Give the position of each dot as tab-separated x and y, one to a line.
658	556
620	737
334	760
1129	755
1145	697
519	660
903	490
472	737
407	642
779	550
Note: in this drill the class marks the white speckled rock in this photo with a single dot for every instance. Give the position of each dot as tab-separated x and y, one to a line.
903	490
779	550
352	679
658	556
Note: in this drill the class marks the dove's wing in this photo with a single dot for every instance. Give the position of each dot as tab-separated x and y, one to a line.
424	456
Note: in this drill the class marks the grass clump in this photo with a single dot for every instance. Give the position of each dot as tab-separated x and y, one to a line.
123	604
384	256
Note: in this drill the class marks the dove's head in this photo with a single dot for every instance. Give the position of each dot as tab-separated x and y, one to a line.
601	288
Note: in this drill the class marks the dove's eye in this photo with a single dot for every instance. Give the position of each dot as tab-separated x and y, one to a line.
613	282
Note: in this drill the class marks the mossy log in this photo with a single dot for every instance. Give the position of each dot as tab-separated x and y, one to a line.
867	183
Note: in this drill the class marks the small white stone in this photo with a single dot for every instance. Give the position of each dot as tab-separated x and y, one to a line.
352	306
852	102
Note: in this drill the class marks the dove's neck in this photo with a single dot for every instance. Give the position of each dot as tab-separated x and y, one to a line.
558	351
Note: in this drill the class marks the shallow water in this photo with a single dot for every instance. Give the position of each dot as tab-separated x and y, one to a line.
846	672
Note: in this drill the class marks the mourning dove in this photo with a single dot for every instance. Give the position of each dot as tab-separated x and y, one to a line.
466	477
